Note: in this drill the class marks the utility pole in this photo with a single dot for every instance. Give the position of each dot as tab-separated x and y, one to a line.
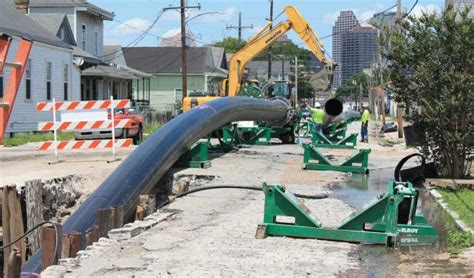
270	48
240	27
182	8
399	110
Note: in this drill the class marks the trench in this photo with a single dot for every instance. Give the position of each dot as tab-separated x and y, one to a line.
381	261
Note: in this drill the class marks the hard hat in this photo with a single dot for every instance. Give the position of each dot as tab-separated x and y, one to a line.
317	105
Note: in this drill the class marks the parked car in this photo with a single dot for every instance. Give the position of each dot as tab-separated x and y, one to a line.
135	131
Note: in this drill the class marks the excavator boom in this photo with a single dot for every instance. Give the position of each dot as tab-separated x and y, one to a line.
263	39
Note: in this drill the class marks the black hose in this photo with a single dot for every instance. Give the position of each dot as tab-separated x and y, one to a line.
56	239
255	188
404	160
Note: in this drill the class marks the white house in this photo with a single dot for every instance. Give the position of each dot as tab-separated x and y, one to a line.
50	73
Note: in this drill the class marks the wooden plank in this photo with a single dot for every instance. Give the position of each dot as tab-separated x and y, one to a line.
92	235
71	244
118	214
13	265
105	220
12	221
451	183
34	211
48	244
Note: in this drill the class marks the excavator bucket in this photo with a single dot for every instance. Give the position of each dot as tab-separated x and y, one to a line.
322	80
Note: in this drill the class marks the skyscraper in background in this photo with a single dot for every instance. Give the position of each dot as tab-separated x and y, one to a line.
359	51
346	21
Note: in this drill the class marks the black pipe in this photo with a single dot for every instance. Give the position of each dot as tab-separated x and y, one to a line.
332	108
144	167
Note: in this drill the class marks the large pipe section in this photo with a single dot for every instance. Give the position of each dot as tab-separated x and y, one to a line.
144	167
332	108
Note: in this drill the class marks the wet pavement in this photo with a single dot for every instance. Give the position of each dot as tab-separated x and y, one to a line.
380	261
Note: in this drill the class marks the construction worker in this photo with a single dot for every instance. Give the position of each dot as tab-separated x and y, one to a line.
364	129
318	117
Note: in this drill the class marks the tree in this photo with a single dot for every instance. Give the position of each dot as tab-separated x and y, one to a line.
352	86
231	45
431	63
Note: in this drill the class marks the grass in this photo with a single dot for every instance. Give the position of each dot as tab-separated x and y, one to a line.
21	139
149	129
462	202
459	240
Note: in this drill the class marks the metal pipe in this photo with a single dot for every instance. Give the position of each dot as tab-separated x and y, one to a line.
144	167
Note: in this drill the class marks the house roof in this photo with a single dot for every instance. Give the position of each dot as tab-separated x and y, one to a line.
14	23
168	59
113	54
88	57
50	22
112	72
91	8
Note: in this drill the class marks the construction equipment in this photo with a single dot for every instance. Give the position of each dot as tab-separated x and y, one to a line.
18	67
257	44
390	219
313	159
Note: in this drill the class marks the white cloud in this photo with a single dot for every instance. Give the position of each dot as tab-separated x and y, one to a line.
330	18
430	8
171	32
131	27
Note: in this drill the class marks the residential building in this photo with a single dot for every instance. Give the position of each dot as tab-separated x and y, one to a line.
206	68
258	70
50	73
460	5
345	22
86	20
359	51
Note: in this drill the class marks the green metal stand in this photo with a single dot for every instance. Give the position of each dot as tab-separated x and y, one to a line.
321	141
243	136
390	219
314	160
196	157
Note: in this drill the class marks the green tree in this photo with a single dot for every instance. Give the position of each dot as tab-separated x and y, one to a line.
231	45
431	63
352	86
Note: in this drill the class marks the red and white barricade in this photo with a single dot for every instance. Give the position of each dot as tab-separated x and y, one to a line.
84	124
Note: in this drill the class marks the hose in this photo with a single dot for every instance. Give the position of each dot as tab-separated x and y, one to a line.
255	188
402	162
56	239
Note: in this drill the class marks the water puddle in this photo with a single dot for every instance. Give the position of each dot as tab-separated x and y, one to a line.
380	261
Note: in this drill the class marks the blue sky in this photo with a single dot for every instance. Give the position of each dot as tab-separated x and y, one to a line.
210	28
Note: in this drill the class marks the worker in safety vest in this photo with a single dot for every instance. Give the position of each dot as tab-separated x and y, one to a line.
318	117
364	128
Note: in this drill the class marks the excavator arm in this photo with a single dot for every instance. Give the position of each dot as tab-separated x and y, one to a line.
263	39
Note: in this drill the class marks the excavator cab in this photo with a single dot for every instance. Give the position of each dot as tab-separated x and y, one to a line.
281	88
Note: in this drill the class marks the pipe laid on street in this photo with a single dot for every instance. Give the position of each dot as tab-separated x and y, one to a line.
144	167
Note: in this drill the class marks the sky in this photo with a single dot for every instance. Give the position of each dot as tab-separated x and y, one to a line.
131	16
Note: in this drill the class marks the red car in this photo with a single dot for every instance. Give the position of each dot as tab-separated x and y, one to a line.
135	131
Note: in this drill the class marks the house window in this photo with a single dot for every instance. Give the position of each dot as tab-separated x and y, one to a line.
48	80
28	80
62	35
83	36
66	80
96	42
178	94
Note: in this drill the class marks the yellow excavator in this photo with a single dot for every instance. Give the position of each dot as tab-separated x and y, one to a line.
257	44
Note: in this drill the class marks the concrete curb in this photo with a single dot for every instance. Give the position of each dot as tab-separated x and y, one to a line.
438	198
128	231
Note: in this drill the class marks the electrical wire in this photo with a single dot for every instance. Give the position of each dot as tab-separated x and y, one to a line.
56	240
411	9
254	188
